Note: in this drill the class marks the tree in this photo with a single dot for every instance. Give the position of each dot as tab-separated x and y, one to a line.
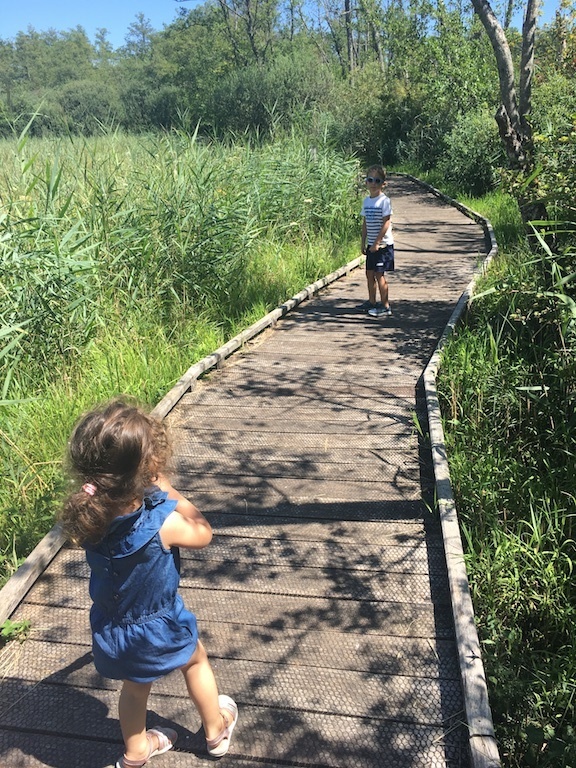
252	22
193	55
139	37
90	105
7	71
104	52
371	12
50	59
512	114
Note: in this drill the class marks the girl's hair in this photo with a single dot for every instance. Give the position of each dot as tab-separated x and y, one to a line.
115	452
377	170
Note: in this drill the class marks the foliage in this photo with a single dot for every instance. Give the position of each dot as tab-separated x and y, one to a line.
554	102
368	117
552	181
230	70
473	154
90	104
556	44
456	75
14	630
262	97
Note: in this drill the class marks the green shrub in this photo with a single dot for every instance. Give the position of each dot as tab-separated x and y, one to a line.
553	181
259	98
426	141
553	102
369	117
90	104
473	153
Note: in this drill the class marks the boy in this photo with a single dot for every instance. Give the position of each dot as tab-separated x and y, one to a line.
377	241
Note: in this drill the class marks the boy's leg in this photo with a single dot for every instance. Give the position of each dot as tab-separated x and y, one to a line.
383	288
203	691
371	282
132	713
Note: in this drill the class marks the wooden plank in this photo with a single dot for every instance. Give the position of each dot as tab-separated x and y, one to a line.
268	609
276	735
281	577
414	699
428	657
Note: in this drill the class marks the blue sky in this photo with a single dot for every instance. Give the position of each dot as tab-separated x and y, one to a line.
115	15
61	15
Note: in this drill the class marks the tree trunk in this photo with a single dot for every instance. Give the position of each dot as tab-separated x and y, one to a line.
370	16
512	114
349	38
238	57
508	115
509	12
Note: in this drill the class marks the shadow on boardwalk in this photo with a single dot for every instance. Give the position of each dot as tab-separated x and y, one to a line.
323	599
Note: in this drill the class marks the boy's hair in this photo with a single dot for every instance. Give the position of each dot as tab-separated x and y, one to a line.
377	170
118	450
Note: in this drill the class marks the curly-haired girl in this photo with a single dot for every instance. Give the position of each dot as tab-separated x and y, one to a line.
131	522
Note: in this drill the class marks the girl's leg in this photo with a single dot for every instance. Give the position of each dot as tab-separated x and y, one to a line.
383	287
371	286
203	691
132	713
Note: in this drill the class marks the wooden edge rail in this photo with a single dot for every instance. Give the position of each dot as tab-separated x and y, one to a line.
482	741
18	585
15	589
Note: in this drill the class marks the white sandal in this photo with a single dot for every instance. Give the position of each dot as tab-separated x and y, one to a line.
166	740
219	745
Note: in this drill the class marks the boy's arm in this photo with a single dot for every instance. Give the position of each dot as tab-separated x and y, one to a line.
364	234
186	526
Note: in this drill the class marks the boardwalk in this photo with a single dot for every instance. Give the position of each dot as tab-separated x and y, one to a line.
323	599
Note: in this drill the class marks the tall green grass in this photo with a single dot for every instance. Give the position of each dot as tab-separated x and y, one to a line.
123	260
508	392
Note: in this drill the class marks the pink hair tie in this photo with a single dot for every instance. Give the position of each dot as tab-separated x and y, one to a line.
89	488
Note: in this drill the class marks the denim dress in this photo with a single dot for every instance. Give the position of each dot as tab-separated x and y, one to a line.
140	628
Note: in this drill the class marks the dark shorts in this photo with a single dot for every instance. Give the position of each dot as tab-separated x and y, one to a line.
381	260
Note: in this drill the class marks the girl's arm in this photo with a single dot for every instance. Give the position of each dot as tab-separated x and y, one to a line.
186	526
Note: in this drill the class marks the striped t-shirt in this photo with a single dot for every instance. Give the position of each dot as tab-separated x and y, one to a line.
374	209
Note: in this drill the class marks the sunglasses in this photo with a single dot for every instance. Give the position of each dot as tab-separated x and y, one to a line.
372	180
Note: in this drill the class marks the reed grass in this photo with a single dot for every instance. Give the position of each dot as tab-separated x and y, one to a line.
125	259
